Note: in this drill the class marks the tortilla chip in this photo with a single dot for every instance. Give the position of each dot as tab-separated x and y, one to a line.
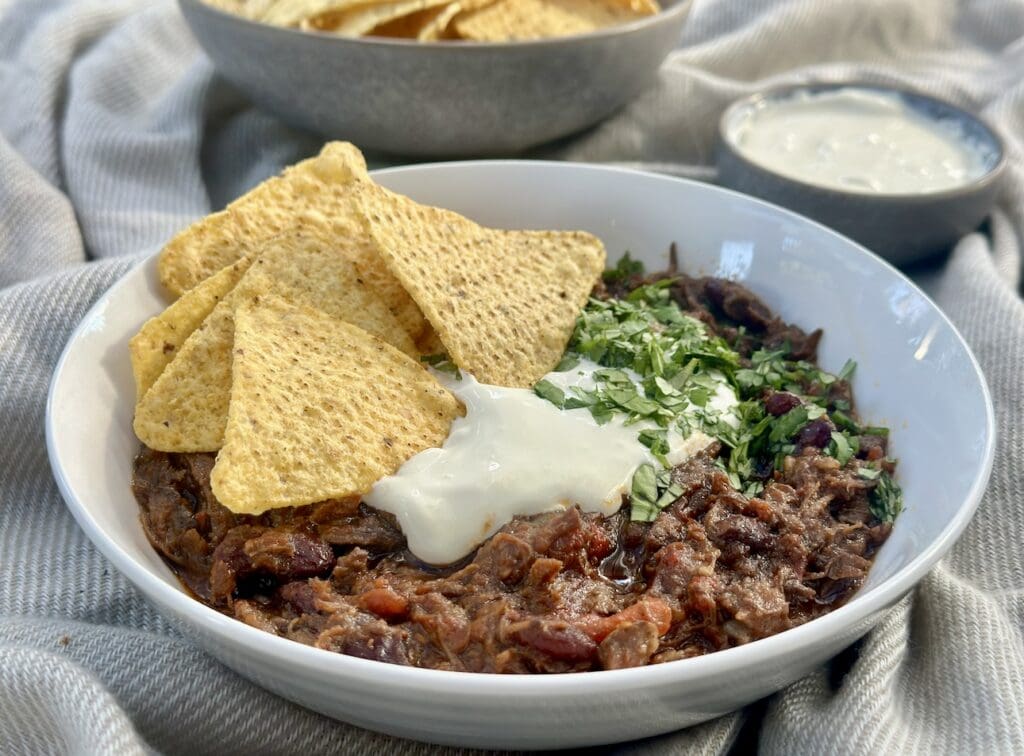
294	12
508	20
375	274
187	407
503	303
319	410
411	25
312	186
429	343
362	19
311	194
311	269
158	341
440	27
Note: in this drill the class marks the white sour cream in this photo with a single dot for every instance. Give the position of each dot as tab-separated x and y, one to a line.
857	140
515	453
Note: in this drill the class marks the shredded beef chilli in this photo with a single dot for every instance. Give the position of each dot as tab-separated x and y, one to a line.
558	592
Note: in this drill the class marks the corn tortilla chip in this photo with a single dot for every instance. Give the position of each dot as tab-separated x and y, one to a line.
361	19
295	12
503	303
429	343
276	205
409	26
186	408
311	193
158	341
319	410
507	20
440	27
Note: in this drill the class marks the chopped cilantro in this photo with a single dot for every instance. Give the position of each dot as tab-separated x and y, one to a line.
643	495
567	363
651	492
840	448
625	268
662	368
656	439
545	389
886	498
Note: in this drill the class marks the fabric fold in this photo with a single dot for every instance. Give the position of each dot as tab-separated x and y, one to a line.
115	133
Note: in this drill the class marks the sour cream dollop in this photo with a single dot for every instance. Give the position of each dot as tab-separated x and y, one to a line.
858	140
515	453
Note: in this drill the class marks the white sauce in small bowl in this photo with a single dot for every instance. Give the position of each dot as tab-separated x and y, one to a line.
857	140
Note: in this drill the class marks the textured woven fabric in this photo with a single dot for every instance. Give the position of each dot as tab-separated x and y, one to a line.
114	133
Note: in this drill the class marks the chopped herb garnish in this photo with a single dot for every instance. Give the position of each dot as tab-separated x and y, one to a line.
442	363
868	473
656	439
875	430
624	269
643	495
567	363
545	389
840	448
662	369
886	498
846	372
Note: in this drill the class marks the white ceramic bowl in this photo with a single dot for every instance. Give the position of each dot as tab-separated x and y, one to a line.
915	374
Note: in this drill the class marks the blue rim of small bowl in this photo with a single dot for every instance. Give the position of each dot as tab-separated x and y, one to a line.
229	631
677	8
990	177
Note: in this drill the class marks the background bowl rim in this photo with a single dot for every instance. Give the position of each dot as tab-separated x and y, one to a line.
231	632
976	185
672	12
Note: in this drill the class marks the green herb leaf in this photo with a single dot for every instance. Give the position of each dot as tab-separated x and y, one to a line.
868	473
545	389
624	269
840	448
875	430
644	495
568	362
846	372
656	439
886	498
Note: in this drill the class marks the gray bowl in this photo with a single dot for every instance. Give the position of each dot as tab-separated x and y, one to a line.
901	227
437	98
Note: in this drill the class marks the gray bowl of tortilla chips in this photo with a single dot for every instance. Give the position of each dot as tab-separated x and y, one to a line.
533	71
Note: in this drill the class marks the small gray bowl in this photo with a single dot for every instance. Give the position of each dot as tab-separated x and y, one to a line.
437	98
901	227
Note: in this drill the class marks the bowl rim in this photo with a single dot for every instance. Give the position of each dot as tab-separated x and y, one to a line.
677	9
991	176
232	633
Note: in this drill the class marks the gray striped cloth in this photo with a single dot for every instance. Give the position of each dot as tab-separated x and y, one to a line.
114	133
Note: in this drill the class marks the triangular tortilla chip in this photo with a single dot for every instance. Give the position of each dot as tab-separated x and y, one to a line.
503	303
312	192
158	341
361	19
319	410
508	20
440	27
411	25
186	408
294	12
